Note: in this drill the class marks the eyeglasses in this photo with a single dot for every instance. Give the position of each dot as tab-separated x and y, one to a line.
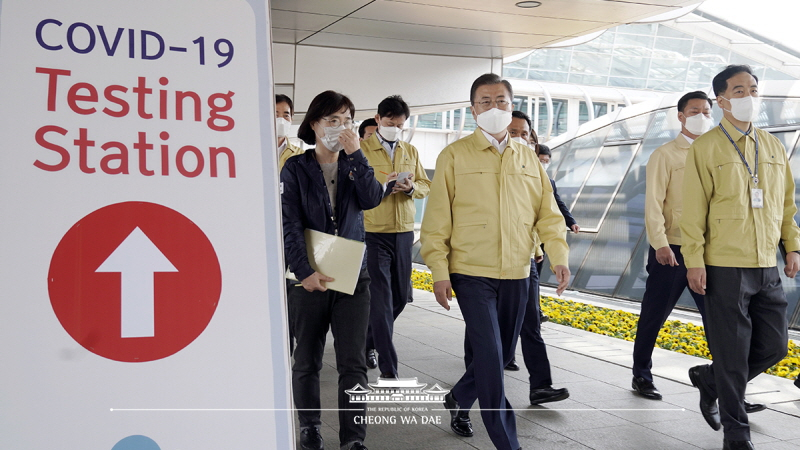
488	103
335	122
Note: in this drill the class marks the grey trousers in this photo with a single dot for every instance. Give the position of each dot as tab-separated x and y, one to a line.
747	334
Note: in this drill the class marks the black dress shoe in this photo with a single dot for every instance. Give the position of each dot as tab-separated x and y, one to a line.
737	445
358	446
548	394
797	382
388	375
708	401
645	388
459	419
753	407
543	318
513	365
372	360
311	439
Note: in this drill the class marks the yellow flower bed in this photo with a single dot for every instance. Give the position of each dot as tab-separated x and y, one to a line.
674	335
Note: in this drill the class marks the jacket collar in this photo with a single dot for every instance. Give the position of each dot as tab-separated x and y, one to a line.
309	159
681	141
734	133
372	143
480	142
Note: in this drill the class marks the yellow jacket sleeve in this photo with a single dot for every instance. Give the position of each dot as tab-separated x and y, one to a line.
657	180
697	189
422	185
790	233
549	224
437	225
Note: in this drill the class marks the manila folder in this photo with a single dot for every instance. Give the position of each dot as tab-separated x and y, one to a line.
336	257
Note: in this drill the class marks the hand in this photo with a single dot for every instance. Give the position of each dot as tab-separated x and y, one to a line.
316	282
562	276
665	256
575	228
792	264
697	279
538	259
349	140
443	292
406	187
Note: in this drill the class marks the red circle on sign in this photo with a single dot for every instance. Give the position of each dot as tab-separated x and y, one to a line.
134	282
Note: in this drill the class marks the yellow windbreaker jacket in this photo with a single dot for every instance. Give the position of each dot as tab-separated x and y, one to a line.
719	226
396	212
484	209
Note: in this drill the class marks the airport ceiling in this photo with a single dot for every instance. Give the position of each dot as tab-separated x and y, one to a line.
467	28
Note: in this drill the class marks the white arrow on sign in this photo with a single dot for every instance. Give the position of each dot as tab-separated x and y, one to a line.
137	259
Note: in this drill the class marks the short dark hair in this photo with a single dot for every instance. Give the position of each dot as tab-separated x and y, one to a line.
393	106
720	82
324	104
543	150
487	79
691	96
363	127
280	98
522	115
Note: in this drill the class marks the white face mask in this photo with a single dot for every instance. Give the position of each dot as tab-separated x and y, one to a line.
546	165
519	139
331	138
745	109
698	124
494	121
282	127
391	134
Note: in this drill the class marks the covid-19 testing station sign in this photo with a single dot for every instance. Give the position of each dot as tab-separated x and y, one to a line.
142	304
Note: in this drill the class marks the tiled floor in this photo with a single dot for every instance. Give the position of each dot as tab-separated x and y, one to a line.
602	412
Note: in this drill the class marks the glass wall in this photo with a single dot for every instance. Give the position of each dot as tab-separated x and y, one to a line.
560	110
601	175
638	56
600	109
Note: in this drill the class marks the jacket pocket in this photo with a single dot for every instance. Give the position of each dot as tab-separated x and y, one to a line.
471	243
725	231
731	179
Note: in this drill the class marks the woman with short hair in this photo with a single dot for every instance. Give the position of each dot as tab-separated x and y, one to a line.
326	189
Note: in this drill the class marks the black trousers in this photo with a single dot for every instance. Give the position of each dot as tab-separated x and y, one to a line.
493	311
389	264
311	314
534	350
664	286
747	334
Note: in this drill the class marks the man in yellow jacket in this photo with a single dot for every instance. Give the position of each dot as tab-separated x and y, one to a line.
284	111
666	271
488	198
390	228
738	204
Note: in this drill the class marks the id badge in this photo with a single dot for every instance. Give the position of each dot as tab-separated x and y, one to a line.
757	198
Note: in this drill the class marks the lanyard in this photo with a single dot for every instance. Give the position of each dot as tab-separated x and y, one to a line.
754	176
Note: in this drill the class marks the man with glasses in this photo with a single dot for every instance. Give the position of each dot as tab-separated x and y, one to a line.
738	204
488	198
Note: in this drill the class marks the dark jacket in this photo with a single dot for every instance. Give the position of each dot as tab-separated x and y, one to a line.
564	210
306	204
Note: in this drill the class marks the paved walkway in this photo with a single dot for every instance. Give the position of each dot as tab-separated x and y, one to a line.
602	412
